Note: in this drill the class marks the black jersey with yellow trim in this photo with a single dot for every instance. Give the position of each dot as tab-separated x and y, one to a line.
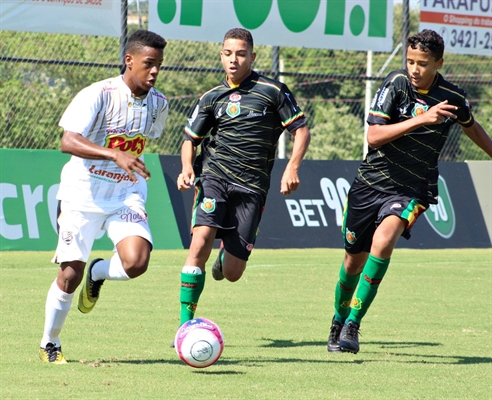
242	126
409	164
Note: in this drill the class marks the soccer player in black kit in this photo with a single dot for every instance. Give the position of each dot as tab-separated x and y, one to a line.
237	124
409	121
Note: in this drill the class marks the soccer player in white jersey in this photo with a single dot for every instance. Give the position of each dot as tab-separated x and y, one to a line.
103	186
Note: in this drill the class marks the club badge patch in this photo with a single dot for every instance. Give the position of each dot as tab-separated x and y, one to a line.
350	236
208	205
233	109
419	109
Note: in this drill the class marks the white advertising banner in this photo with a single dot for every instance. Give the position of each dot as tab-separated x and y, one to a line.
465	25
328	24
85	17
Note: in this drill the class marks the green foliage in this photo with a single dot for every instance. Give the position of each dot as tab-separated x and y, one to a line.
482	113
328	84
336	134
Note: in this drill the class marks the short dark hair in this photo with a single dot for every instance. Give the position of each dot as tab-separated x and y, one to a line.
428	41
143	38
241	34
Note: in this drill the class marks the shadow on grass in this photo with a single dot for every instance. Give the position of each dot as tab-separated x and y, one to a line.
386	347
275	343
386	351
334	358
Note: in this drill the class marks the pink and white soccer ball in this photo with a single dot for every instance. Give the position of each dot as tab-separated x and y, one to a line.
199	342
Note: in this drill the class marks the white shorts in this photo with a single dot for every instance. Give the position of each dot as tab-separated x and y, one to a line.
79	229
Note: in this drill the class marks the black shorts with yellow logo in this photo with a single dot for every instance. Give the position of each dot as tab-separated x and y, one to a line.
366	208
233	209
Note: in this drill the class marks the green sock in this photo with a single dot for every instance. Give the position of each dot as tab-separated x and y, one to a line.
344	291
191	289
371	277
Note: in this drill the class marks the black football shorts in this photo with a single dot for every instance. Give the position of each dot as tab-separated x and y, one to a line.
233	209
366	207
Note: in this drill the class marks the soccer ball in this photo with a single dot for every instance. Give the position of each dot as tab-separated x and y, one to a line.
199	342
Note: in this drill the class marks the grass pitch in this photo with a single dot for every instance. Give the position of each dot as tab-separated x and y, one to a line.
428	334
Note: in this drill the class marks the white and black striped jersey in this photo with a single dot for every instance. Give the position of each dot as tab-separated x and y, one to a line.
108	115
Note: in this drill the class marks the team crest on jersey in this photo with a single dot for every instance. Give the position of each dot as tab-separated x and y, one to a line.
208	205
235	97
350	236
419	109
233	109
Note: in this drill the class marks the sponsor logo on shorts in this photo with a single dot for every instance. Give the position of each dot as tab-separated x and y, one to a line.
350	236
208	205
249	247
128	215
233	109
395	205
67	237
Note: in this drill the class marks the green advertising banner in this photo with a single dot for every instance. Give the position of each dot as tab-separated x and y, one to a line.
28	185
328	24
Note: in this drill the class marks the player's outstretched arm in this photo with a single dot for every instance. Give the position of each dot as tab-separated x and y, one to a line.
187	176
290	178
75	144
478	135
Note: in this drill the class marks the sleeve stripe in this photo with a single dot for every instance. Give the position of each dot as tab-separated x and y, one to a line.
292	119
379	114
192	134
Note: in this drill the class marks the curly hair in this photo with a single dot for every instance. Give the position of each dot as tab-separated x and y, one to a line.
143	38
241	34
428	41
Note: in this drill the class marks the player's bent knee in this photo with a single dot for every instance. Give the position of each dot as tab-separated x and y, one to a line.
233	277
136	268
234	272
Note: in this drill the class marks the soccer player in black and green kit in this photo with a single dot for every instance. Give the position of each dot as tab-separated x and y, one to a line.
409	121
237	124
